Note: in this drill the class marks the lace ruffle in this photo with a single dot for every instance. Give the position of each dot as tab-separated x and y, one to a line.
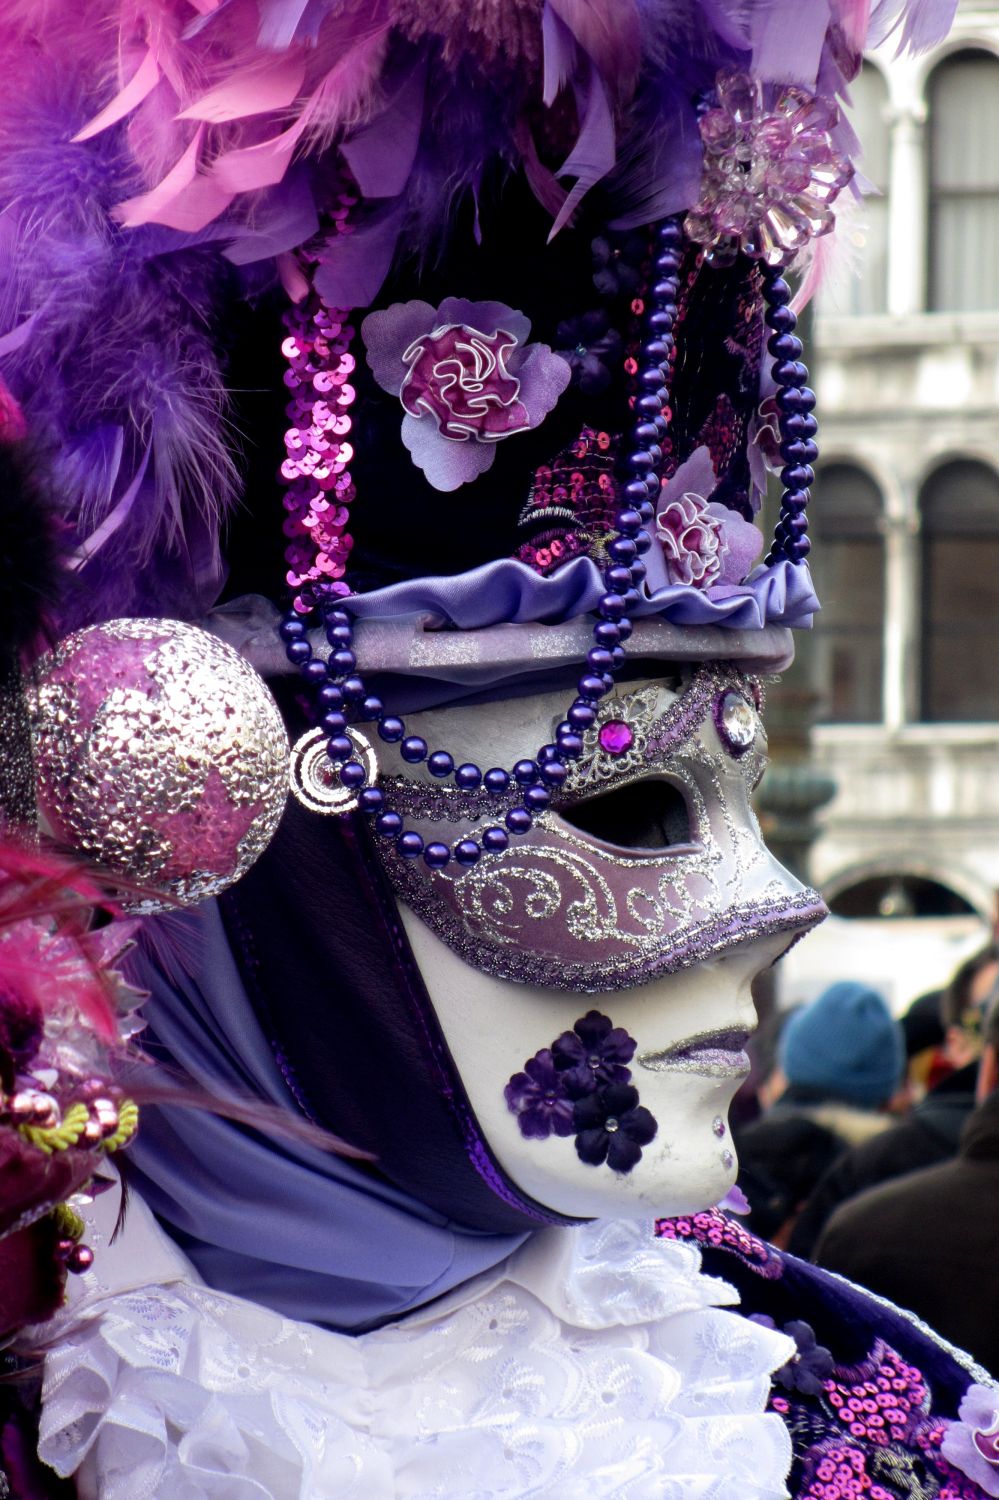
598	1361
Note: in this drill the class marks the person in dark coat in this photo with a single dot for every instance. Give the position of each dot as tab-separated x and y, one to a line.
842	1059
931	1133
927	1241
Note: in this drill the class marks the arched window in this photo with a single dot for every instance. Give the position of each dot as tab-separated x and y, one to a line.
960	543
847	561
964	183
865	288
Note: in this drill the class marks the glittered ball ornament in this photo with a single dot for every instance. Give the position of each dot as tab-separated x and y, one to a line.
160	756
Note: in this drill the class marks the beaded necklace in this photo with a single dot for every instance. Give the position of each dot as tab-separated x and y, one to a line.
334	766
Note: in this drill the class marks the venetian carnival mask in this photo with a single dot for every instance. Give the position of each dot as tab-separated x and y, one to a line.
593	982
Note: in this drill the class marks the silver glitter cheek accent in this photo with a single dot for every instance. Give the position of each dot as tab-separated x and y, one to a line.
161	756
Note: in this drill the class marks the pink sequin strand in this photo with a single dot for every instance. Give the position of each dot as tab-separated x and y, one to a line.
319	488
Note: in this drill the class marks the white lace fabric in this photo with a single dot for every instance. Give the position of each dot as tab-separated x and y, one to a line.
597	1362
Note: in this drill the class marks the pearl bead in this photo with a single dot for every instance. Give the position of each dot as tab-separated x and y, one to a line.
497	780
518	820
440	763
495	839
536	798
525	772
410	845
391	729
342	662
353	774
340	747
388	825
436	856
467	852
413	749
330	695
372	799
468	776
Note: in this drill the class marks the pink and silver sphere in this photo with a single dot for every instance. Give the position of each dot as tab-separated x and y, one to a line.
160	757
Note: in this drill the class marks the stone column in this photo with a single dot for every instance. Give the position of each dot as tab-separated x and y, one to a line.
907	211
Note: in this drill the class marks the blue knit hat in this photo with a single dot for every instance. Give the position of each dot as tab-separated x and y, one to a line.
845	1045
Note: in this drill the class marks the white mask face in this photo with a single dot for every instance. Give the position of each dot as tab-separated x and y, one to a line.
602	1079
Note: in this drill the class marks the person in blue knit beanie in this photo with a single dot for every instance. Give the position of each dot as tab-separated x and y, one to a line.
842	1058
844	1046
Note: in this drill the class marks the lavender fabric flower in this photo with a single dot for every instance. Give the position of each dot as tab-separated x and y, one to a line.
467	378
593	1054
591	347
537	1097
702	543
612	1127
810	1367
769	174
972	1443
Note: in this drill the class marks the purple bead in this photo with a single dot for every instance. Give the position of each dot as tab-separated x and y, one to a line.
638	571
628	522
789	372
646	434
625	627
798	424
333	724
388	824
468	776
409	845
291	629
612	606
519	820
618	579
342	662
467	852
436	856
333	614
298	651
413	749
780	319
777	292
794	502
340	635
643	542
591	687
661	320
581	715
634	490
353	774
622	549
525	772
440	763
647	510
372	799
537	798
391	729
799	550
371	708
650	379
340	747
795	399
495	839
330	696
795	525
784	346
554	772
797	476
545	754
599	657
571	745
647	406
665	289
640	462
497	780
607	632
354	690
314	671
619	657
655	352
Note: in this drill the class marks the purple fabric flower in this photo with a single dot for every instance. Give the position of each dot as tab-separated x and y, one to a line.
612	1127
591	347
972	1443
769	174
466	377
702	543
810	1367
617	262
592	1055
537	1097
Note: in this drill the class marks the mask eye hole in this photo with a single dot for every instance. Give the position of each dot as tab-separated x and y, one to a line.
650	814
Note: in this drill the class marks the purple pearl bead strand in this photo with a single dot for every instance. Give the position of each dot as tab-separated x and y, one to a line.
796	423
341	694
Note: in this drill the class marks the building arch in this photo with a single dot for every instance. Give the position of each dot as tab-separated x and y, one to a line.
972	894
848	562
962	100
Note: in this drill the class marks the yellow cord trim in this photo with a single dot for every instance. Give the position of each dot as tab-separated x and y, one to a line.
68	1222
128	1123
58	1137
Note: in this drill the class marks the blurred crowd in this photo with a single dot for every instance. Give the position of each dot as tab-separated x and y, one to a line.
871	1146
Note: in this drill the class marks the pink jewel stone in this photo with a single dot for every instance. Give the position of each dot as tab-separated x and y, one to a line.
616	736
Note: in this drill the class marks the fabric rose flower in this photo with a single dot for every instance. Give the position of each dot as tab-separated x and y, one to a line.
613	1127
538	1099
702	543
972	1444
466	377
594	1053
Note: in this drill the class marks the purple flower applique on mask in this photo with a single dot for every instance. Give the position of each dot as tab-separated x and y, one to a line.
594	1053
702	544
537	1097
466	377
580	1086
611	1126
972	1443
